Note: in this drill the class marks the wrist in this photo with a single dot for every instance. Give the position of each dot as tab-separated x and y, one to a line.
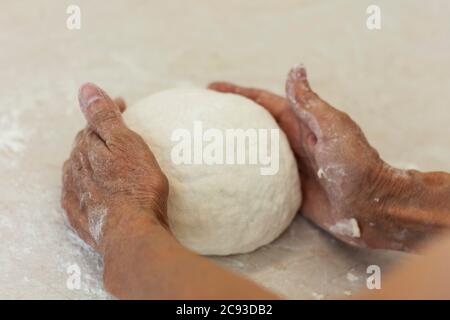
126	225
406	207
383	225
136	246
393	188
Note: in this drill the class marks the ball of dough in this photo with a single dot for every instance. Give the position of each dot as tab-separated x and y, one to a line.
218	208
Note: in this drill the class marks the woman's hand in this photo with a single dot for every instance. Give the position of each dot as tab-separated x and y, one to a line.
342	176
111	181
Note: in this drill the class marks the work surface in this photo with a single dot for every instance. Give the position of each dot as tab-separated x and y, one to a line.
395	82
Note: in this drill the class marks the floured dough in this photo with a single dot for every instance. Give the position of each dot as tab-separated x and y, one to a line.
218	208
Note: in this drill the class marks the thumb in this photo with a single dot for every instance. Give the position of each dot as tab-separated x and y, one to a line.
101	113
306	104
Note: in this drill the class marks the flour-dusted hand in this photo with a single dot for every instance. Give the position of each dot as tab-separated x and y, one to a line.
115	196
345	184
111	180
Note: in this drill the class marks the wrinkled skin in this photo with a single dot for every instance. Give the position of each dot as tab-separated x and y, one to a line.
342	175
111	178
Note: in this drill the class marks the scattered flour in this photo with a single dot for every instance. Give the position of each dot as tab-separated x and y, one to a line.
12	136
351	277
318	296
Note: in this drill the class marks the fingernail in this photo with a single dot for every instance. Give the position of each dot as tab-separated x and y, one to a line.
88	94
298	66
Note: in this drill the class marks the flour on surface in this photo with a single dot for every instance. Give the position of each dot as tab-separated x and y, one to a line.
13	137
318	296
351	277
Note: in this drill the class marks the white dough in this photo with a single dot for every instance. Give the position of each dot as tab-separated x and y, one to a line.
218	209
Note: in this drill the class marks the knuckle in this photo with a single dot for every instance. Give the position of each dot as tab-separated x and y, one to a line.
66	167
345	117
105	117
64	197
67	178
120	140
310	97
94	158
140	143
133	136
126	144
79	136
162	183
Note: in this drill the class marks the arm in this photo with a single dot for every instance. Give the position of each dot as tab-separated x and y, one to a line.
151	264
348	190
115	195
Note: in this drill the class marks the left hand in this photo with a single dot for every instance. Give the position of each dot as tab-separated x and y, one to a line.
111	182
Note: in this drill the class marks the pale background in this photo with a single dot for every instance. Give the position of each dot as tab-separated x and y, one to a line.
394	82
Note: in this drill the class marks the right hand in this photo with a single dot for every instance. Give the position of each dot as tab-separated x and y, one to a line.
342	176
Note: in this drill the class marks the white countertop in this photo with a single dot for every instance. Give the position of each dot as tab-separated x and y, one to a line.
394	82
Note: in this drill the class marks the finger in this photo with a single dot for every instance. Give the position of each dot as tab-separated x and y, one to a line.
98	154
307	105
73	205
92	136
102	114
78	220
80	166
67	181
78	138
66	173
121	104
320	117
69	199
273	103
84	175
295	131
77	172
